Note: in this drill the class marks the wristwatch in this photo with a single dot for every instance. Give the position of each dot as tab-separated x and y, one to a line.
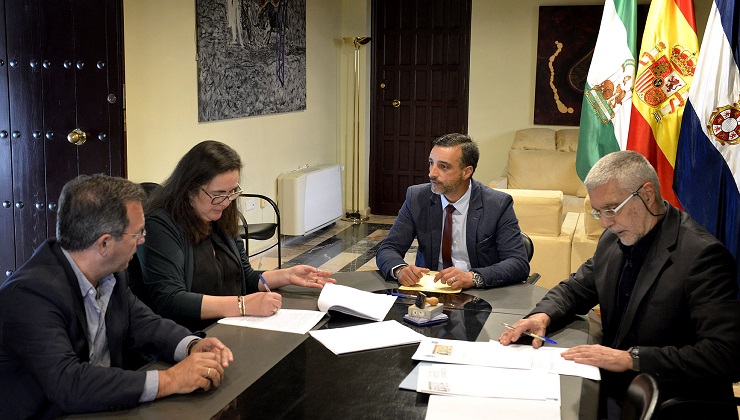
398	270
635	354
477	280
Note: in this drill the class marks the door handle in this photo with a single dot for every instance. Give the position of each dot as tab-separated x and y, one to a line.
396	103
77	137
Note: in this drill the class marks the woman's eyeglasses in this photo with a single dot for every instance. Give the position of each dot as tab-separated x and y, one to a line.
218	199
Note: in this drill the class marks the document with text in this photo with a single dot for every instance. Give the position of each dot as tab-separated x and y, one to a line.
481	353
427	284
483	381
355	302
296	321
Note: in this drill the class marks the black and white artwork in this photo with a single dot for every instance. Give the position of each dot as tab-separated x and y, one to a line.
251	57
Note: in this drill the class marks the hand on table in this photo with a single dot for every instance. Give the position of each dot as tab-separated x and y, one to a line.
215	346
262	303
536	323
455	278
200	370
409	275
600	356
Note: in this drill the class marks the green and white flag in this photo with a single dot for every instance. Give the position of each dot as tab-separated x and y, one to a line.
607	98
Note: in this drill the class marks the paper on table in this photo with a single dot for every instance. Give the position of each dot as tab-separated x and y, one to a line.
549	359
427	284
474	353
355	302
296	321
445	407
365	337
482	381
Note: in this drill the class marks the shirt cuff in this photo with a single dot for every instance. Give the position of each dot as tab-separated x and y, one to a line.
393	270
181	351
151	386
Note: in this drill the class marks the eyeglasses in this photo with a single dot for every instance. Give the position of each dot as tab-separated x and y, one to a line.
218	199
611	213
138	236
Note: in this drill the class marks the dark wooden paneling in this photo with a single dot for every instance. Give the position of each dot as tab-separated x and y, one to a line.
7	230
421	54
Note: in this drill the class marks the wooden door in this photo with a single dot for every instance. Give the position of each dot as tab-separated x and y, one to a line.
421	60
61	70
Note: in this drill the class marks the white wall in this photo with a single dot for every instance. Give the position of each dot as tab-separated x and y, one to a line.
161	99
161	90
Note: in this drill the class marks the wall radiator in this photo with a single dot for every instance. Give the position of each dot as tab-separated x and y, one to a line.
309	199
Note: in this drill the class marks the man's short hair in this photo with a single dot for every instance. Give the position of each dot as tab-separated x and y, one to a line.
628	168
91	206
470	152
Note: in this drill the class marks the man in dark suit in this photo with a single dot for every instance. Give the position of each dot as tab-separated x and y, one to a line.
67	316
666	289
486	248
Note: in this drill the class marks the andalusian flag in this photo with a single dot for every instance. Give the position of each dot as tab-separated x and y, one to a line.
666	67
607	101
707	179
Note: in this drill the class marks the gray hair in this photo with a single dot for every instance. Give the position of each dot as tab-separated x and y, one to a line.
94	205
628	168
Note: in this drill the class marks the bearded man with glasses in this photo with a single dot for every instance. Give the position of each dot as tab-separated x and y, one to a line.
666	289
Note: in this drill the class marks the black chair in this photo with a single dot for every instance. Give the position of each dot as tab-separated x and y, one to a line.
262	231
529	246
641	399
684	408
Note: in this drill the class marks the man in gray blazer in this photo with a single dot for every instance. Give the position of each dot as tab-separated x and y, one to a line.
486	243
67	316
666	288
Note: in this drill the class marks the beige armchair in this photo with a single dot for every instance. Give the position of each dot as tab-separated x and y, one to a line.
588	231
540	214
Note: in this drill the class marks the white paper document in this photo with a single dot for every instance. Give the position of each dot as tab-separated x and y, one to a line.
482	353
296	321
446	407
550	360
481	381
355	302
365	337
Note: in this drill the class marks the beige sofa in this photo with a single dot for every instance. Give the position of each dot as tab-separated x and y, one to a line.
545	159
540	214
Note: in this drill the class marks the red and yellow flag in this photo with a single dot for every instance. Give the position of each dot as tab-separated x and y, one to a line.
667	60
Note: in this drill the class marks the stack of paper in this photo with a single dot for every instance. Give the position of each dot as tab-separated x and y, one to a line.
296	321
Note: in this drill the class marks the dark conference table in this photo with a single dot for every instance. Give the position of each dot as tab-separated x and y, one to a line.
282	375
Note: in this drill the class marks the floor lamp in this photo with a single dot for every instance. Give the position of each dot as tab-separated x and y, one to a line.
355	215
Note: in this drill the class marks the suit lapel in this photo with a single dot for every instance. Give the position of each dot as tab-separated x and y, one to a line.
655	261
613	261
475	213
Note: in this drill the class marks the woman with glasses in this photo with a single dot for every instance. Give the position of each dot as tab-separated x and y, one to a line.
193	269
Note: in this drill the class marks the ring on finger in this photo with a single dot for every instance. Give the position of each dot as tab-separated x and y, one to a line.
452	280
208	374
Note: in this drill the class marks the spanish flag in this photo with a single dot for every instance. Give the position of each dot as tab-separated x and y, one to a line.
666	65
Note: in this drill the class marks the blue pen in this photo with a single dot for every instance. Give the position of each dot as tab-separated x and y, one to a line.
262	279
403	296
533	335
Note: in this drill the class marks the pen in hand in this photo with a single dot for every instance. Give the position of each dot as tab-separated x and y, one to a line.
533	335
267	288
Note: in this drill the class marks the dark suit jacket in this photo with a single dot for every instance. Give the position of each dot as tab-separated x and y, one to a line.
492	235
682	314
43	345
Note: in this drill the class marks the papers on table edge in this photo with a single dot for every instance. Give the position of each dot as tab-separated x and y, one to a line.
493	354
355	302
427	284
373	335
445	407
297	321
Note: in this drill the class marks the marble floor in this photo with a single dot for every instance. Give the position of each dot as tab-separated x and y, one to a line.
344	246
